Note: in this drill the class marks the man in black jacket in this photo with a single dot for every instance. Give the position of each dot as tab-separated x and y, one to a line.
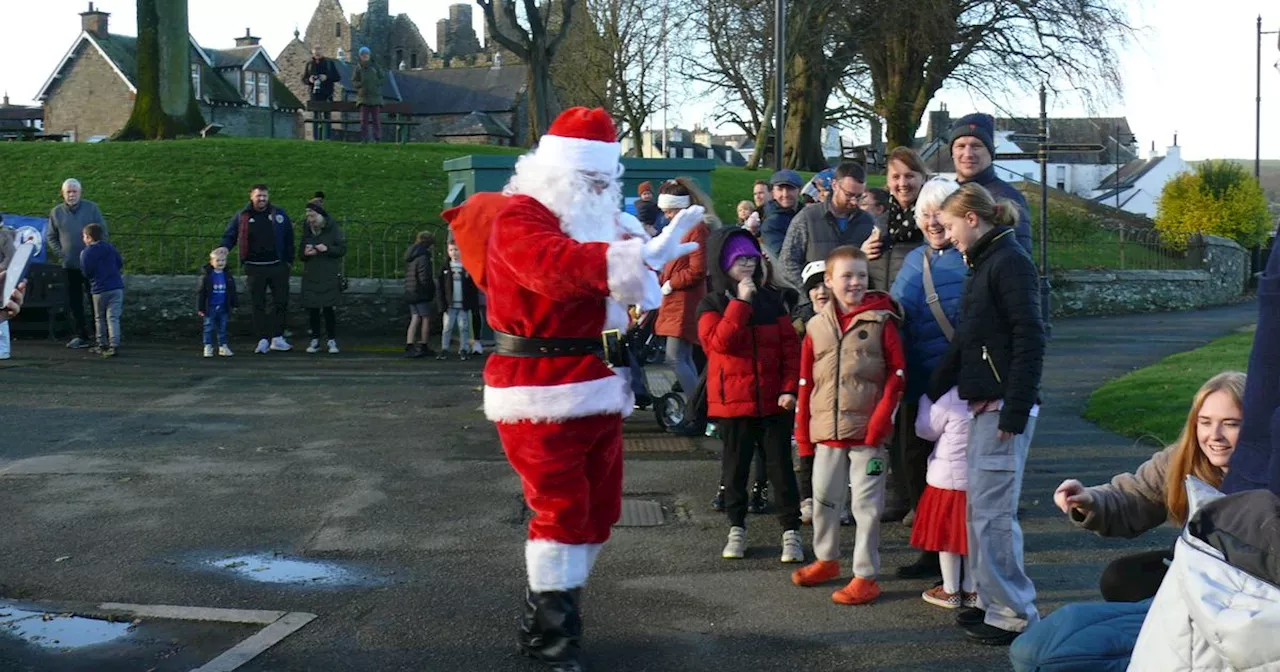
973	152
320	74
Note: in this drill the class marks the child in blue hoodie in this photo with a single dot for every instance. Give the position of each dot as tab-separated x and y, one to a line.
215	299
101	264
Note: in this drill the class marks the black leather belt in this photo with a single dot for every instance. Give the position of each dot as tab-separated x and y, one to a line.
608	347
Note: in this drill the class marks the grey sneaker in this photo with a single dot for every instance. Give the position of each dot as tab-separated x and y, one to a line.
806	510
736	548
224	351
263	346
333	347
792	547
208	351
280	345
78	343
314	346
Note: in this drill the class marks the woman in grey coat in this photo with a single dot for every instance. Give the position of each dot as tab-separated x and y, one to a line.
321	250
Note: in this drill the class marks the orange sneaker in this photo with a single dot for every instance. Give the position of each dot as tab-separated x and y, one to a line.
816	572
859	591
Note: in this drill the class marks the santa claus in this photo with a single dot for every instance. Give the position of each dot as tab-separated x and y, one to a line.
560	263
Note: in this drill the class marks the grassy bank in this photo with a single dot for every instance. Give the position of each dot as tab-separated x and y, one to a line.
1155	400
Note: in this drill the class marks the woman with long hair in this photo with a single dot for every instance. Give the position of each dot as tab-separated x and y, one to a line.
1134	503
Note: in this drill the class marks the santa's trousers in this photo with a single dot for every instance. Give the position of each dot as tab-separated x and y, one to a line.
571	471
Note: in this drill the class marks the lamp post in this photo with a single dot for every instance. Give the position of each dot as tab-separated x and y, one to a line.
779	68
1257	102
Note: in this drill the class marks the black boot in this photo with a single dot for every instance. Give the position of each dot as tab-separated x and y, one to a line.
927	566
550	629
717	504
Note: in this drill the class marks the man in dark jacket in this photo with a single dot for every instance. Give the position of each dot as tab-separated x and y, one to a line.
320	75
773	230
972	151
824	226
264	234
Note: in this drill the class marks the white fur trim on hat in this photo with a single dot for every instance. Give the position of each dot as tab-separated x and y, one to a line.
586	155
672	202
626	271
553	565
610	395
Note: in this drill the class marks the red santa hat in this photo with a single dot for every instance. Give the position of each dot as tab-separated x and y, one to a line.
583	139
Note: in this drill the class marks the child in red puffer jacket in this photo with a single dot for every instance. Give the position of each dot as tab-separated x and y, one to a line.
753	371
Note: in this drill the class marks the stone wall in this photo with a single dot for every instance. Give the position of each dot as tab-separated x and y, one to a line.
166	306
91	100
330	29
1221	279
254	122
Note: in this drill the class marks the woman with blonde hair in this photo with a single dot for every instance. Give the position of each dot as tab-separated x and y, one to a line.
1153	494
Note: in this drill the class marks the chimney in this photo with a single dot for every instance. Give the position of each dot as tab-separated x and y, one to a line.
94	22
939	124
1174	152
248	40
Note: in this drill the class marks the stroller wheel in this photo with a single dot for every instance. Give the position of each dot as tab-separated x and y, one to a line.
669	410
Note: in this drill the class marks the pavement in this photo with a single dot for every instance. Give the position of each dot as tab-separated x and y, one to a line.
141	479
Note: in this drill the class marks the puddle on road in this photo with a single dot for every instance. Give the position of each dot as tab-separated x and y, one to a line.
58	631
270	568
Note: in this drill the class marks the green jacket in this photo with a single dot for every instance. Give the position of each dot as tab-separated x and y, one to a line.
322	272
368	81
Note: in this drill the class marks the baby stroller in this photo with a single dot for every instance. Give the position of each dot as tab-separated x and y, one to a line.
686	418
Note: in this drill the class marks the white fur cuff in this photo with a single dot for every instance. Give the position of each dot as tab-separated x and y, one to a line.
552	403
552	565
627	270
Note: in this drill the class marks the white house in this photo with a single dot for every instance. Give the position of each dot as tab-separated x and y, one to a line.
1137	185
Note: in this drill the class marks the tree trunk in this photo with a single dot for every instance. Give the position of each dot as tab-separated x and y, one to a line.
762	136
164	106
539	94
807	93
900	127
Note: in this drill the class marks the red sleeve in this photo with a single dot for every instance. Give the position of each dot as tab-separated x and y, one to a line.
803	443
790	357
727	333
694	271
881	424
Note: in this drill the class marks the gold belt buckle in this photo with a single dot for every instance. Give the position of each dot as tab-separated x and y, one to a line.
616	335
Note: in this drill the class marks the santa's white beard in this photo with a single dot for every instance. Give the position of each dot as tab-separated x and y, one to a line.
584	215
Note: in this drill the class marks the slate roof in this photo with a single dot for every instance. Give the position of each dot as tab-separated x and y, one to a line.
462	90
1079	130
1129	173
477	123
234	57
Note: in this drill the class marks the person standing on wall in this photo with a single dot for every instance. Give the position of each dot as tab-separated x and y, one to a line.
66	239
320	75
368	78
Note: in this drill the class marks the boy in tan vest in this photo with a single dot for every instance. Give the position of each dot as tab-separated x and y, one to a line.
851	379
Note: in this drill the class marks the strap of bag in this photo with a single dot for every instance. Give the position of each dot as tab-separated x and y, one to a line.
931	298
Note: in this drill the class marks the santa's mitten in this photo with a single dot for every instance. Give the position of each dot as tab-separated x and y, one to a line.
667	246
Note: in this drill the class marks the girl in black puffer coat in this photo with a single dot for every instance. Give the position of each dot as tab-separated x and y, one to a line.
419	293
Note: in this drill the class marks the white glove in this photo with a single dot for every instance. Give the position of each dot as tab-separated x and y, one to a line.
667	246
666	288
652	297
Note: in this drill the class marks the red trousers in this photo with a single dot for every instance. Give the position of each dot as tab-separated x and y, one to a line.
571	472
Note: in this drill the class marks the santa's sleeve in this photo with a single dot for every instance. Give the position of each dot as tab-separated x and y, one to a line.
552	264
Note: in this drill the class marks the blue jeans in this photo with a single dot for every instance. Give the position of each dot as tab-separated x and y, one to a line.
215	320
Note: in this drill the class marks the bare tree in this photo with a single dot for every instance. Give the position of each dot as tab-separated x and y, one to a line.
990	46
164	106
535	42
731	59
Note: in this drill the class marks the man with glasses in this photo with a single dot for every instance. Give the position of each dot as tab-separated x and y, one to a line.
822	227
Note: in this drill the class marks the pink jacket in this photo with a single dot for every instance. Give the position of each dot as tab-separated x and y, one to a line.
947	423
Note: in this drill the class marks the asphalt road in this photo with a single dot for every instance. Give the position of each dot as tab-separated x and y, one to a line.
140	473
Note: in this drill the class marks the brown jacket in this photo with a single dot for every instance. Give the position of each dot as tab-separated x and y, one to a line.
849	370
678	315
1131	503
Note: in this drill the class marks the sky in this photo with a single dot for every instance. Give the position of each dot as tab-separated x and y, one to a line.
1190	70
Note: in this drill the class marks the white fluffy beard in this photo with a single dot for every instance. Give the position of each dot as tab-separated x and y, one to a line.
585	216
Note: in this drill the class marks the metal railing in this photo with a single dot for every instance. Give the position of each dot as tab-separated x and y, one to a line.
160	245
1116	247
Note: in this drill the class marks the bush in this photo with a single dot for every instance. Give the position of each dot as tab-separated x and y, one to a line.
1220	199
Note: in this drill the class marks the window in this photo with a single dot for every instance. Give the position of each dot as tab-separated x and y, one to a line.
264	89
1061	172
250	92
195	80
688	152
413	59
337	29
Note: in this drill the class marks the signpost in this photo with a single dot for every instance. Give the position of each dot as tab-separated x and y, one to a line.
1044	149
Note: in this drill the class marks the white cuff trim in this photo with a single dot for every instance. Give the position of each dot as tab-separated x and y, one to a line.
552	565
551	403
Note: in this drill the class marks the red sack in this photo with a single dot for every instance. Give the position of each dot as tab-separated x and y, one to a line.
471	223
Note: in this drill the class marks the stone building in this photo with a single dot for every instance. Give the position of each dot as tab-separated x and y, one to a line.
90	93
393	40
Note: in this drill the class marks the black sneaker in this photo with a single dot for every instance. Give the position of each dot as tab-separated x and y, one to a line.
759	500
411	350
990	635
717	503
923	568
970	616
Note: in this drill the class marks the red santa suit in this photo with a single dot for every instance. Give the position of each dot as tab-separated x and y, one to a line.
559	417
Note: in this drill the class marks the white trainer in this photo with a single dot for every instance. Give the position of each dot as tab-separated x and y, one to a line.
806	510
792	547
333	347
736	548
280	345
224	351
208	351
313	347
263	346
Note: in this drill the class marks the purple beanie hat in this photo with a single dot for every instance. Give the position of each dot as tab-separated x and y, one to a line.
737	246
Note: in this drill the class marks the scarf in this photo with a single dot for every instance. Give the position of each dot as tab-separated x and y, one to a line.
902	223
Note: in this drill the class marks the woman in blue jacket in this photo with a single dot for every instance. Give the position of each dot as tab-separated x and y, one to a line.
926	335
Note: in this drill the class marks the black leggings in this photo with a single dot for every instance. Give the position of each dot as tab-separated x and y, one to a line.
1134	578
330	322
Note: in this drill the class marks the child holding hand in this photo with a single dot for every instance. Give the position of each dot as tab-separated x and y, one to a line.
940	515
851	379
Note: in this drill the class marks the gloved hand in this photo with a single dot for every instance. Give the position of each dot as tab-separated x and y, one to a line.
666	288
652	297
667	246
